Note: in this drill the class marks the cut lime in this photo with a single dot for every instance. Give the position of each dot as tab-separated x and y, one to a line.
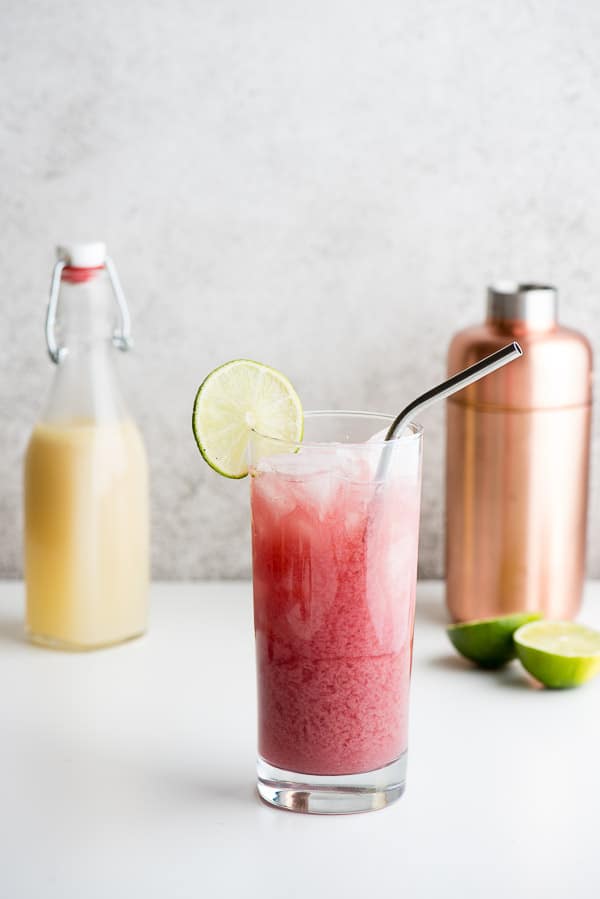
559	653
489	641
235	398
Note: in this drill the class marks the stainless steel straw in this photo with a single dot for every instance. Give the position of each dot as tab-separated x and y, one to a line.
446	388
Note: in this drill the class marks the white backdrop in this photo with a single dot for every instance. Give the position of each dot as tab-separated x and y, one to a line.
325	186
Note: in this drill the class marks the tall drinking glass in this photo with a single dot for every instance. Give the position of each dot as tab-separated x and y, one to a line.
334	574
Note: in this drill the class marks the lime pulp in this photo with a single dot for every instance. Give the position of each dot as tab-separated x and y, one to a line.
236	398
559	654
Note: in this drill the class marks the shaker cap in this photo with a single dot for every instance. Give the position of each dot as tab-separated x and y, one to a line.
534	304
82	255
556	368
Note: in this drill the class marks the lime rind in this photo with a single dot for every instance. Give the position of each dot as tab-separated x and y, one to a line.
488	642
236	398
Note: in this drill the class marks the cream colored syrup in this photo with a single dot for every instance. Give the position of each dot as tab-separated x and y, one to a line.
86	533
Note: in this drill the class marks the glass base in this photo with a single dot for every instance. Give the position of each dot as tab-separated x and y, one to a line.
69	646
342	794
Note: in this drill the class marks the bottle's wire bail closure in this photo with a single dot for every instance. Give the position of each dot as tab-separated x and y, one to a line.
122	335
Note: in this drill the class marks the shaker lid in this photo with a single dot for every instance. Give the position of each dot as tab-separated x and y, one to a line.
556	368
82	255
534	304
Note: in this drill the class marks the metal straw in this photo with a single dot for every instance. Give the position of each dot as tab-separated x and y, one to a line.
446	388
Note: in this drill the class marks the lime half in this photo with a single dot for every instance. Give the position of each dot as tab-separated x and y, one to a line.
235	398
489	641
559	653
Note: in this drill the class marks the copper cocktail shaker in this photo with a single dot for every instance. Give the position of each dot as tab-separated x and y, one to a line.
517	463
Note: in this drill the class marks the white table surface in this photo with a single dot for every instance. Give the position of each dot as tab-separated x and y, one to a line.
129	772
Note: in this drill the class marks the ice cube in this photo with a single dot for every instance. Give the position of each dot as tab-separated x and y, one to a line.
305	480
298	465
356	509
267	486
356	464
317	493
379	437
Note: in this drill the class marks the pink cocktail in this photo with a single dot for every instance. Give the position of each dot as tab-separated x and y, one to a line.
334	571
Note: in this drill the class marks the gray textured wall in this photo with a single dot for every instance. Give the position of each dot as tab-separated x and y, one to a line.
325	186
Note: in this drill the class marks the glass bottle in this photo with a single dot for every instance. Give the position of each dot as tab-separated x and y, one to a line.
86	474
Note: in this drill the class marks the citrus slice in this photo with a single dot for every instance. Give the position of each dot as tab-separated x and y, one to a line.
488	641
559	653
233	399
